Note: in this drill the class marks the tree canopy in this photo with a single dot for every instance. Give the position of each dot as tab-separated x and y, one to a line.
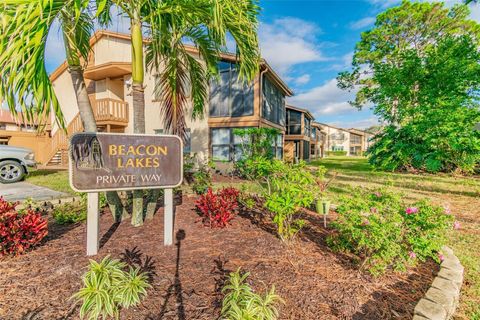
419	70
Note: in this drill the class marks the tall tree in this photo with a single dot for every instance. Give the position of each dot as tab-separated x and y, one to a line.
393	68
25	82
168	24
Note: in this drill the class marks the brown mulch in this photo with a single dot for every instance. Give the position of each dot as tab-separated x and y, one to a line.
314	282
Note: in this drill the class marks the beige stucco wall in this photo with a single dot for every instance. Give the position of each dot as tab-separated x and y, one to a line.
38	143
109	49
153	120
331	141
63	87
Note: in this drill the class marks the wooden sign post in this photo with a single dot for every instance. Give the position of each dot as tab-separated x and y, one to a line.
115	162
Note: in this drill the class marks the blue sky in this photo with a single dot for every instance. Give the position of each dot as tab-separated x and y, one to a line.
307	43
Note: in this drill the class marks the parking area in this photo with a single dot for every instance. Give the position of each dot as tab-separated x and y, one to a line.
23	190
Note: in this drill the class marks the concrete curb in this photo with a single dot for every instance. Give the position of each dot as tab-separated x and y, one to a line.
441	300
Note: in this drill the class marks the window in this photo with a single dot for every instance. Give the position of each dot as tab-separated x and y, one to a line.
312	149
337	148
294	122
314	133
307	126
306	150
221	144
355	139
339	136
158	131
230	97
277	147
273	108
225	145
187	143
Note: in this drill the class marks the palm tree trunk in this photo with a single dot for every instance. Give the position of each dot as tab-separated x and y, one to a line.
138	106
84	107
87	116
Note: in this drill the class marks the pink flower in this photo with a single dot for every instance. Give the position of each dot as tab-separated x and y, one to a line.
378	194
441	257
446	209
373	210
456	225
412	255
365	223
411	210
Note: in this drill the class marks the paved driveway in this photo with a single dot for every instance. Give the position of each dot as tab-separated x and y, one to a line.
22	190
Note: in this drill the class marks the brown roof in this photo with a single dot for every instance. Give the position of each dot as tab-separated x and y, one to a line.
6	116
328	125
224	56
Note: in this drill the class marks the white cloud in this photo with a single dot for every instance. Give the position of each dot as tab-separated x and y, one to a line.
289	41
358	124
384	3
326	99
362	23
303	79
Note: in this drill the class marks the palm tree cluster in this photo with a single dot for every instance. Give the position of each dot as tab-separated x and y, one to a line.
168	25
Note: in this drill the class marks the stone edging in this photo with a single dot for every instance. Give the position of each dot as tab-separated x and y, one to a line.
441	300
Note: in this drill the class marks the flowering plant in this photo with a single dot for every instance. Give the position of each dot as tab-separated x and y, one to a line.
385	232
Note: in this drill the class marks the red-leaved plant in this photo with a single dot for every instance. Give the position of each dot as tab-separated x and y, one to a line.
217	209
19	232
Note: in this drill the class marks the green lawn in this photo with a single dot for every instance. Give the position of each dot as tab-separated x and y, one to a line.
462	194
54	179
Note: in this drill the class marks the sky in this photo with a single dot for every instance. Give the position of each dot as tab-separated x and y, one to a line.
307	42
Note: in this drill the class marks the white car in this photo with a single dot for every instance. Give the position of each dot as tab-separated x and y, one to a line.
15	162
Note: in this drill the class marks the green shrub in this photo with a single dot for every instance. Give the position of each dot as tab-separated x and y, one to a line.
257	168
241	303
202	180
289	188
336	153
108	288
385	232
68	213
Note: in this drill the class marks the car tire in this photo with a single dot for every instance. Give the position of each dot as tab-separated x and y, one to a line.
11	171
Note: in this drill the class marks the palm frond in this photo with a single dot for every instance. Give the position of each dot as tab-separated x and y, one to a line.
25	84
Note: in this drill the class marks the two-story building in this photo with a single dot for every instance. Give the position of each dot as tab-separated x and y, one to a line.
317	141
298	134
360	141
232	104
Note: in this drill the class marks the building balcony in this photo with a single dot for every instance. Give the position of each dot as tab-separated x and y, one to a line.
110	111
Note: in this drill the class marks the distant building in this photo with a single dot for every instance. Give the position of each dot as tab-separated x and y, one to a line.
298	134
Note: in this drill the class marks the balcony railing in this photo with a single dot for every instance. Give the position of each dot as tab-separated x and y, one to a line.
105	111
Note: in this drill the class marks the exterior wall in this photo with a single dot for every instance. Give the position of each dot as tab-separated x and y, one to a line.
331	138
111	49
63	87
30	140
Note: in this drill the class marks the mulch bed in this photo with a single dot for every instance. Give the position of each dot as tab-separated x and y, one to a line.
314	282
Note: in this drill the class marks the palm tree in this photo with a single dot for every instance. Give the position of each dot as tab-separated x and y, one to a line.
24	31
25	81
169	23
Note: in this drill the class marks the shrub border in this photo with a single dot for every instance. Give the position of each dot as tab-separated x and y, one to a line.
441	300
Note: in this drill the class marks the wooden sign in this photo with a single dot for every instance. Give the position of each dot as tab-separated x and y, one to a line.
106	161
113	162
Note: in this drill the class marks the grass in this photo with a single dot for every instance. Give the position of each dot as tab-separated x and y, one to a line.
461	194
53	179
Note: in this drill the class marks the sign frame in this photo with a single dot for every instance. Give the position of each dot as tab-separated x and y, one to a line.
70	163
